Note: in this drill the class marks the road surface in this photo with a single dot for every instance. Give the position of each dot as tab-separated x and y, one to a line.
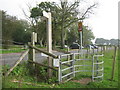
11	58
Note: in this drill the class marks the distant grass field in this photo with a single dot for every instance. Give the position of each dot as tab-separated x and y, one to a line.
11	51
20	74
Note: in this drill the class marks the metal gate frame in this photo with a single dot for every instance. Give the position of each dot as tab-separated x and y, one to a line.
73	72
97	63
60	70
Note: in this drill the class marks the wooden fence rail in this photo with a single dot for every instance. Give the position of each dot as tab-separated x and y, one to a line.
42	65
49	54
17	62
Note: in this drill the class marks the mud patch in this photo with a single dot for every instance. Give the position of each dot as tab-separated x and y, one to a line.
83	81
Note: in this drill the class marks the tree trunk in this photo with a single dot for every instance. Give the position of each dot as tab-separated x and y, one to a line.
62	36
54	43
40	41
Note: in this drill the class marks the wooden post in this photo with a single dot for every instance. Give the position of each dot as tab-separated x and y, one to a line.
93	51
49	43
31	55
101	49
114	61
87	53
97	50
33	44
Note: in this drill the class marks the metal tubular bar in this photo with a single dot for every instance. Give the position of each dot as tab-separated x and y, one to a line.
66	61
67	68
81	65
67	75
84	71
99	70
98	55
65	55
99	62
82	59
98	76
59	70
68	79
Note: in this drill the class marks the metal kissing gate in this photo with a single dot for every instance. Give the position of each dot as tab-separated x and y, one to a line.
74	64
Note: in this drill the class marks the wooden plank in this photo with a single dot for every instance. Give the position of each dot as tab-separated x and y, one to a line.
47	53
42	65
18	61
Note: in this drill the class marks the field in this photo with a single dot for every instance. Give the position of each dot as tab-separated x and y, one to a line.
19	78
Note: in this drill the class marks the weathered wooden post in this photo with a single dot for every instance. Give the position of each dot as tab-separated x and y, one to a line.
114	61
97	50
31	55
49	40
93	51
101	49
87	53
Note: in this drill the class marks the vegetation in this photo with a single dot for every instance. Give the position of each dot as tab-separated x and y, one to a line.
64	17
14	31
21	77
101	41
11	51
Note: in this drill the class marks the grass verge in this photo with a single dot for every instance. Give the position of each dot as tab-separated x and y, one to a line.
25	80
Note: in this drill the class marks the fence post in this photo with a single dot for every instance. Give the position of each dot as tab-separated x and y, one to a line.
114	61
59	71
87	53
93	51
31	54
97	50
101	49
93	68
73	65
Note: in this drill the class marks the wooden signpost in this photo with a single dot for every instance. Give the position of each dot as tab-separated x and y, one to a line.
49	39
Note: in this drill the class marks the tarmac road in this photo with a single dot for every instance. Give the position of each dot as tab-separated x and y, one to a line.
11	58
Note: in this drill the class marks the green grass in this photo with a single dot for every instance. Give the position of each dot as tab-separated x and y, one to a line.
21	73
11	51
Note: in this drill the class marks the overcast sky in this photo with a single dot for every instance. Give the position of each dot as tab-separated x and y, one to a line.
104	23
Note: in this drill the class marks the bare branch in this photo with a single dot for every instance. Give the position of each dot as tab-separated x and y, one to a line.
89	10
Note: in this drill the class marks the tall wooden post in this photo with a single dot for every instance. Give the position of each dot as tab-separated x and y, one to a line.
31	55
49	39
1	55
113	66
49	45
33	44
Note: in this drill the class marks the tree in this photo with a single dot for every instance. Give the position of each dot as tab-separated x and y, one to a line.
87	36
63	16
69	15
21	33
73	35
8	27
13	30
100	41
